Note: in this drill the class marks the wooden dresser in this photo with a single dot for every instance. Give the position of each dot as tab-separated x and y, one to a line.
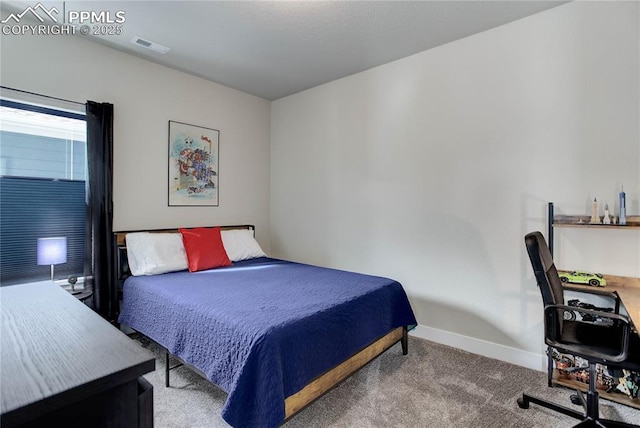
61	364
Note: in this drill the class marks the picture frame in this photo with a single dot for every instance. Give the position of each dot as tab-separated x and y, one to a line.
193	165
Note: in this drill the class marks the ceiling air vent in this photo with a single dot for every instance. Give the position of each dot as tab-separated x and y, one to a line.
156	47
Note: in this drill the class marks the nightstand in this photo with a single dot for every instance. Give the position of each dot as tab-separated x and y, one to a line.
81	295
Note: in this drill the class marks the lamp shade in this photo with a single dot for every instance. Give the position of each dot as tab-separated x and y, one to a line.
52	251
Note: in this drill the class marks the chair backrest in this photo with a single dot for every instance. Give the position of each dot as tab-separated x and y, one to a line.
545	271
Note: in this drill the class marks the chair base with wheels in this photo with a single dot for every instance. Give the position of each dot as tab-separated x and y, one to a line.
589	417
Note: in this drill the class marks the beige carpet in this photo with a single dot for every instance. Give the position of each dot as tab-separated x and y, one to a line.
433	386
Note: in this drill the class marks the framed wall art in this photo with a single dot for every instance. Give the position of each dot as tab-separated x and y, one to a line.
193	165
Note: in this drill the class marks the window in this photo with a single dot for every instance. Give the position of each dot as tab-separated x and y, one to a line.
43	166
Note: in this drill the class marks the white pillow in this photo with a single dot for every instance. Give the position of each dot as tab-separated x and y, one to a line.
155	253
240	244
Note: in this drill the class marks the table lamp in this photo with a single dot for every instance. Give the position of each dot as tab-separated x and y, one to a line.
52	251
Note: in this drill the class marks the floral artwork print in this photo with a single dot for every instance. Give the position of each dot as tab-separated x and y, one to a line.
193	165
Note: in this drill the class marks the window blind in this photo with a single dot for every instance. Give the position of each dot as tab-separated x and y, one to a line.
32	208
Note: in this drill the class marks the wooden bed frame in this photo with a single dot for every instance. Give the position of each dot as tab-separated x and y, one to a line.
317	387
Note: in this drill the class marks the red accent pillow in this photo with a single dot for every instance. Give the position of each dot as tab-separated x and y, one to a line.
204	248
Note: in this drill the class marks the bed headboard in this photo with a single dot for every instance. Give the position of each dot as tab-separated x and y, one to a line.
122	265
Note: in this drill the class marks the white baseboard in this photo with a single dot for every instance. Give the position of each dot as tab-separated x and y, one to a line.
482	347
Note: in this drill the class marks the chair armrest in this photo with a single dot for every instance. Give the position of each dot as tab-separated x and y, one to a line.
552	323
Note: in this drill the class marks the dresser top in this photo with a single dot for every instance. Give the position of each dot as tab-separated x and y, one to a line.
55	351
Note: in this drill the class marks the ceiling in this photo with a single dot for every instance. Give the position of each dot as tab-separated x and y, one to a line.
272	49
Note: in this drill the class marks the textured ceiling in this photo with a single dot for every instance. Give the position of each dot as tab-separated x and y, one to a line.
273	49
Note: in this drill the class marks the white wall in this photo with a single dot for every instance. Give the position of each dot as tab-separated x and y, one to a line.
145	97
431	169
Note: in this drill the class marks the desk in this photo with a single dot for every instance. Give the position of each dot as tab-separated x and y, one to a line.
628	289
63	365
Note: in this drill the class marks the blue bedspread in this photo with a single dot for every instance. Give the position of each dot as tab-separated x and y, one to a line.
262	329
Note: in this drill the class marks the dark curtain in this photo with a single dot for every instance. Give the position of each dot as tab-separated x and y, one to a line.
100	256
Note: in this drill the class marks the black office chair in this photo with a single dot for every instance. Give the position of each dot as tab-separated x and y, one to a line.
613	344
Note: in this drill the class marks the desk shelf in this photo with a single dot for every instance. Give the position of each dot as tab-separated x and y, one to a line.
633	222
611	396
627	289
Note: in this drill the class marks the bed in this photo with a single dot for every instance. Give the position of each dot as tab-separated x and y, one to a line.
274	334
